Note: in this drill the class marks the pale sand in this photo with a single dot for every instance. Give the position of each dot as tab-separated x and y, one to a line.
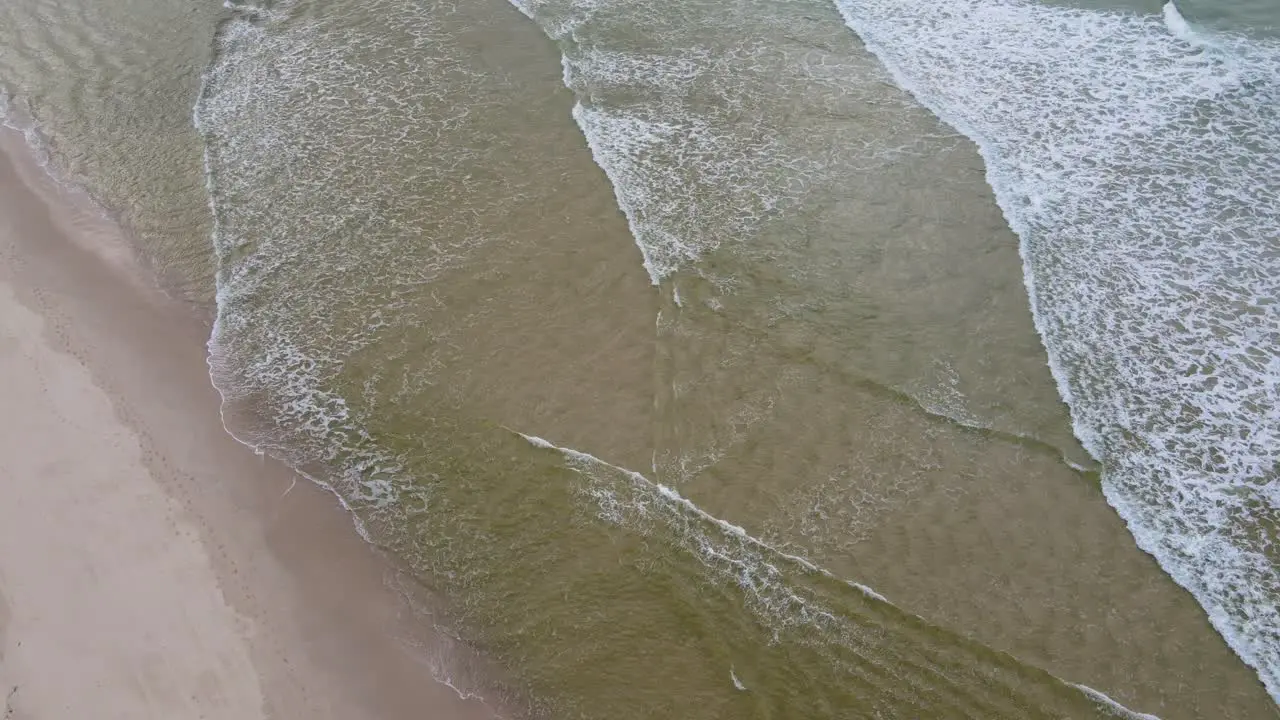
150	565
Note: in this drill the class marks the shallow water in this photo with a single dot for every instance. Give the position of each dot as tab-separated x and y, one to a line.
806	336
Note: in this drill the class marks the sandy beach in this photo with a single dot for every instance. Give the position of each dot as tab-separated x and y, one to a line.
150	565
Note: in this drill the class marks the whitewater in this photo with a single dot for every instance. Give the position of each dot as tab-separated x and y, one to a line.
1138	160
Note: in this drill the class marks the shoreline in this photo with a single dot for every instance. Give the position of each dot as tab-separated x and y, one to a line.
150	563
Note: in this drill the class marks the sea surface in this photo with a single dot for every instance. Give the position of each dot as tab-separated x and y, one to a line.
738	358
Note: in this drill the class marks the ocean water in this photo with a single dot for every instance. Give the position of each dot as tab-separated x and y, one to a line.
738	358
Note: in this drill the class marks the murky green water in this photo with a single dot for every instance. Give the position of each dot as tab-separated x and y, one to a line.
794	376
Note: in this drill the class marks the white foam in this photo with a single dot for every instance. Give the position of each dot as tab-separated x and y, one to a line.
737	684
536	441
941	396
868	591
1111	706
1139	162
1177	24
584	461
721	198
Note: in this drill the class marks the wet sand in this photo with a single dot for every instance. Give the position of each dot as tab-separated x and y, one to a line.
150	565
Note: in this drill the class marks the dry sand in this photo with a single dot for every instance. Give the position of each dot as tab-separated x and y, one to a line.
150	565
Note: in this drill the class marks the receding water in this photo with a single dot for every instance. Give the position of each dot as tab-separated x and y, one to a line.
688	356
